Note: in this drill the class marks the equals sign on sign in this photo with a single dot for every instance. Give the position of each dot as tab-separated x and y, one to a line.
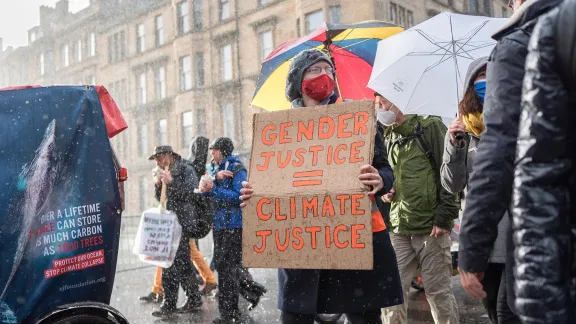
307	178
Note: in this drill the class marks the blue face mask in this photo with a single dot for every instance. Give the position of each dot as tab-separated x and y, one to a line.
480	89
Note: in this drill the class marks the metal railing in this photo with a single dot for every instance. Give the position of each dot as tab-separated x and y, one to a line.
129	261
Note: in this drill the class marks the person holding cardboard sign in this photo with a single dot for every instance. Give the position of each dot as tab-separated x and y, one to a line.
358	293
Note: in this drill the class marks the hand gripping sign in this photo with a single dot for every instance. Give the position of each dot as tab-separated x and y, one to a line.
309	210
158	235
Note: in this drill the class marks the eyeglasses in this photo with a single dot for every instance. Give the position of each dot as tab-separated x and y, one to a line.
318	70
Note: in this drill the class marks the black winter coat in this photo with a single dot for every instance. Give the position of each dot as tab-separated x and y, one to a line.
182	200
490	185
545	177
349	291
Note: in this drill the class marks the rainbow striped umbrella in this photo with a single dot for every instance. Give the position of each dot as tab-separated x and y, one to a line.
352	49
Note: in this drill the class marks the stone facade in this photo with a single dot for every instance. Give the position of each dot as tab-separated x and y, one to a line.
178	68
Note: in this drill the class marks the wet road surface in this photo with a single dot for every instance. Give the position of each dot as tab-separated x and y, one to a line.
129	285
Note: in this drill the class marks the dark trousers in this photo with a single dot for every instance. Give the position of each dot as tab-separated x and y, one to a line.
371	317
180	274
228	261
496	301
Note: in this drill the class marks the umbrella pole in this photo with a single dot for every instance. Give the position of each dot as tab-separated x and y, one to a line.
327	47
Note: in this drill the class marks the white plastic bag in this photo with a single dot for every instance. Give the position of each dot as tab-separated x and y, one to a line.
166	253
158	234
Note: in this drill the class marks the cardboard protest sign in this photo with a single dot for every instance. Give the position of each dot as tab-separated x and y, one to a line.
309	210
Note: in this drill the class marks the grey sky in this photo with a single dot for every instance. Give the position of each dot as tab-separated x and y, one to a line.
17	16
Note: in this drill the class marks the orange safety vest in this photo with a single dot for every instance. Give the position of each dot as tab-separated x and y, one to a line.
378	224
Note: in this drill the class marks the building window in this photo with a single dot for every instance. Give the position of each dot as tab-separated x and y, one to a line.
198	23
92	44
142	88
226	57
162	132
116	47
393	13
504	12
228	118
199	69
143	139
410	18
187	125
334	14
266	44
65	55
140	38
161	83
201	121
262	3
298	28
159	30
91	80
474	7
185	73
224	9
183	18
401	16
314	20
144	193
42	64
79	50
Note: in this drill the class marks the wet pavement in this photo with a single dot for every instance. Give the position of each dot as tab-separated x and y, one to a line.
129	285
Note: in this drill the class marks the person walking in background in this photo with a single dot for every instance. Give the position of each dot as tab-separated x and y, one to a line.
422	212
489	194
180	181
459	154
197	158
228	174
358	294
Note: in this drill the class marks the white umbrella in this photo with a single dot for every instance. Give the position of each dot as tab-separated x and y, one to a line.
422	69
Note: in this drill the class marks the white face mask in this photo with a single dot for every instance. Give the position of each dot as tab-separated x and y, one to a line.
386	117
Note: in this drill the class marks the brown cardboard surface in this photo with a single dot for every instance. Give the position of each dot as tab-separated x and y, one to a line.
284	170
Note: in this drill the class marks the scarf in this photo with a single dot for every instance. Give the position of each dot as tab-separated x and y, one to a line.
474	123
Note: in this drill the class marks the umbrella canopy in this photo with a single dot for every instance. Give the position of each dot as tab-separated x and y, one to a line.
422	70
352	48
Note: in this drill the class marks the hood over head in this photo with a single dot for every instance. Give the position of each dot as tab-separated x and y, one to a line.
199	153
298	66
473	69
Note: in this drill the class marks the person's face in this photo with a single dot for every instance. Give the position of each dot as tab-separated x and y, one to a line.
317	69
481	76
216	155
515	4
382	103
164	160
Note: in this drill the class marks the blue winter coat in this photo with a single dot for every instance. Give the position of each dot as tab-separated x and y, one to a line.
226	194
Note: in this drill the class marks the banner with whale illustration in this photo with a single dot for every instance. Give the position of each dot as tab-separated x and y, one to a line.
60	203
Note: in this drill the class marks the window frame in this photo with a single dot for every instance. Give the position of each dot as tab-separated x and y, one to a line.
159	30
308	30
187	129
227	65
142	95
183	17
162	131
161	91
185	75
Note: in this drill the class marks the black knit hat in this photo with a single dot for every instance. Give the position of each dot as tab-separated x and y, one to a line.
224	144
298	66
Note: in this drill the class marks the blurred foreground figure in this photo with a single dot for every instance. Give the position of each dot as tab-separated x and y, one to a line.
545	179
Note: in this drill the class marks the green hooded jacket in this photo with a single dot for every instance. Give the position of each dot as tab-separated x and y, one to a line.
417	205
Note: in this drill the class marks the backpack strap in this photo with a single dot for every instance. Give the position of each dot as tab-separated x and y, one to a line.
430	154
419	131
